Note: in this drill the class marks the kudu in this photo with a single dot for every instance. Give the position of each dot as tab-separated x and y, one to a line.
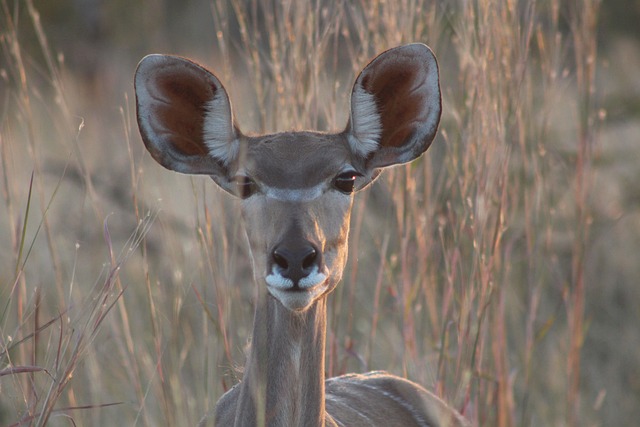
296	191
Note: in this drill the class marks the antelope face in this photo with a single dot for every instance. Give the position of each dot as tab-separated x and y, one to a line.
296	187
297	191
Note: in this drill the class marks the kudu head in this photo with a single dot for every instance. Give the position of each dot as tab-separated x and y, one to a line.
296	188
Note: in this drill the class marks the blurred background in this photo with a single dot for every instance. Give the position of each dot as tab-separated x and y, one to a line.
500	270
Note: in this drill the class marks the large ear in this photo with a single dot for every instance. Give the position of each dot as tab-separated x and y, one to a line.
395	107
184	116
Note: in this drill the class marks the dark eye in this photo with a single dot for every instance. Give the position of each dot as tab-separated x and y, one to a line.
345	182
245	187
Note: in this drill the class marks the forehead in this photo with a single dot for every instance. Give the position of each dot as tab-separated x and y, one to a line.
296	159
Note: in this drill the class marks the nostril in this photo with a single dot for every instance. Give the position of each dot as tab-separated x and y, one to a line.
280	260
294	261
309	260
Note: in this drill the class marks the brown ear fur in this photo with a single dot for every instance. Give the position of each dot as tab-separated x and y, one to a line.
404	84
171	99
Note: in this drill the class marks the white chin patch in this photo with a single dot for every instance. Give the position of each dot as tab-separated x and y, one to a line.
309	288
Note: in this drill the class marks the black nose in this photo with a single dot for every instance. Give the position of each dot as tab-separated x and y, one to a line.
295	262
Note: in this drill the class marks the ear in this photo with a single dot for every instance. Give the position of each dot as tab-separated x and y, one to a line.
395	107
184	116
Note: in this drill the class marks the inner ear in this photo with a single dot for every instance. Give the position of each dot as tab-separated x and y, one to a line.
395	106
184	115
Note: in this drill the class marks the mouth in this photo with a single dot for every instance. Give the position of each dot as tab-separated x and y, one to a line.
299	295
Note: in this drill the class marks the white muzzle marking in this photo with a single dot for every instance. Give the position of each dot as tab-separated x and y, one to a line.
309	288
277	281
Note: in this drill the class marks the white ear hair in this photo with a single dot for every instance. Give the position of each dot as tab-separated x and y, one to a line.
395	107
185	119
365	122
218	132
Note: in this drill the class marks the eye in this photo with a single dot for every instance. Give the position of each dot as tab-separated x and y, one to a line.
346	181
245	187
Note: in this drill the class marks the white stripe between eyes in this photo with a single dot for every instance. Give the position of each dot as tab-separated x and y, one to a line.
294	194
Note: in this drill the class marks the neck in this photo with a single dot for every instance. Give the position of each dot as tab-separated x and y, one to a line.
284	378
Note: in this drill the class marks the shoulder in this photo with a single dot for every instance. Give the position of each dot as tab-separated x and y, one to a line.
399	396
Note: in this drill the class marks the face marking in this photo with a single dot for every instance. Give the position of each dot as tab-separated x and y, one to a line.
306	194
275	280
294	194
310	288
313	279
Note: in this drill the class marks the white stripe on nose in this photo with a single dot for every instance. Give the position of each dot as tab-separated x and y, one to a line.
294	194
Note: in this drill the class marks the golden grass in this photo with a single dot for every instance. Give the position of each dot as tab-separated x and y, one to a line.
126	295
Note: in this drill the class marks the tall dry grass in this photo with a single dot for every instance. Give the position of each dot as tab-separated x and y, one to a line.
126	295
